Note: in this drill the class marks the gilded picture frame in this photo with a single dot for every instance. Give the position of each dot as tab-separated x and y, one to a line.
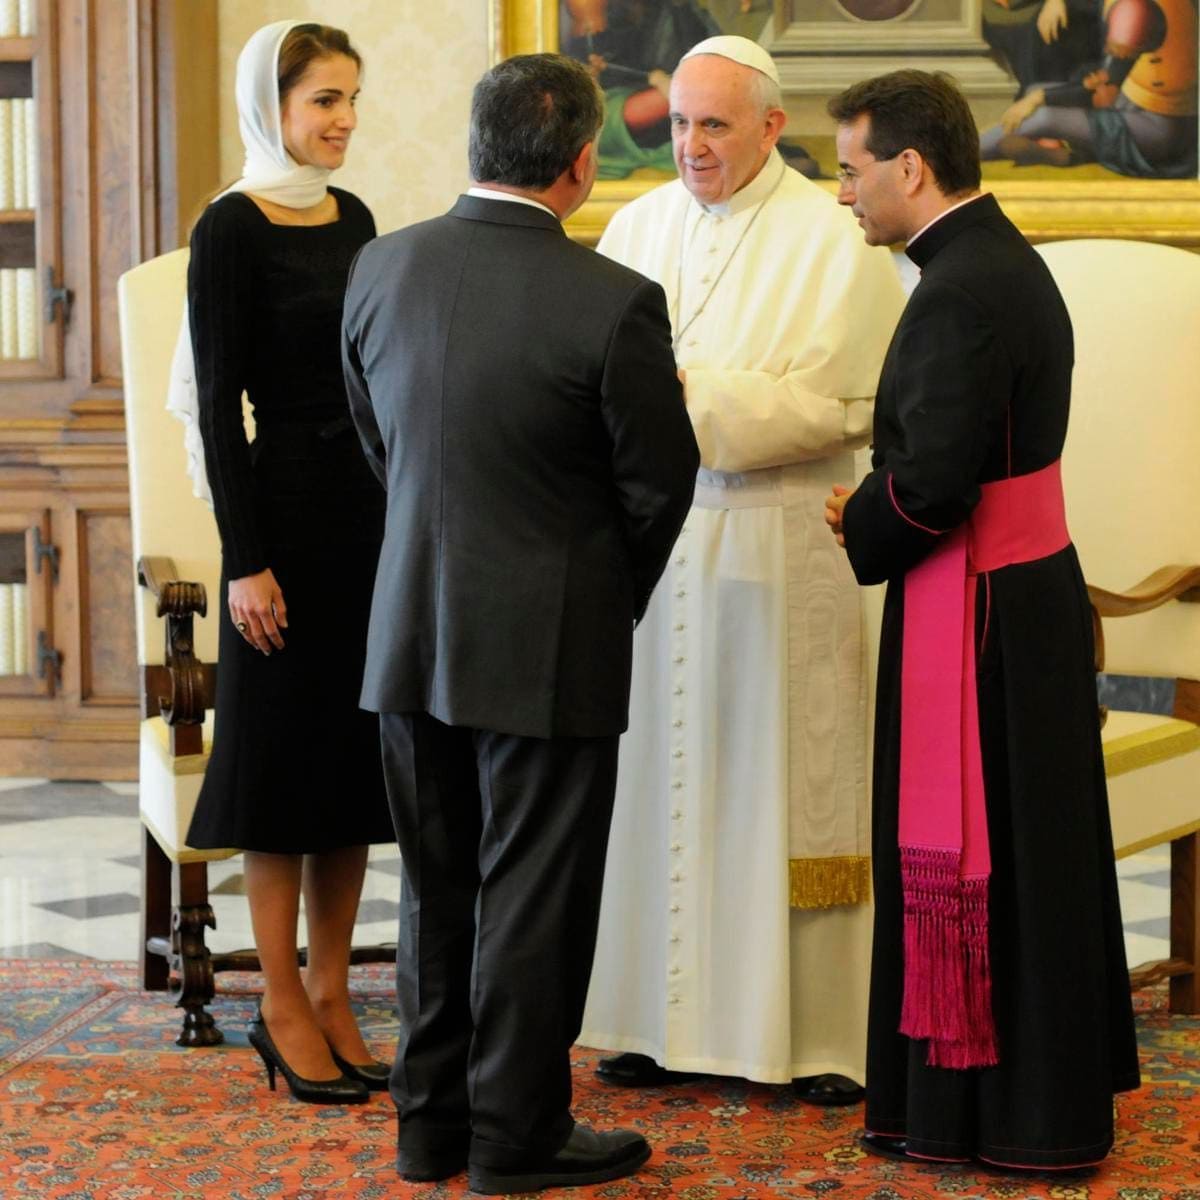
1045	209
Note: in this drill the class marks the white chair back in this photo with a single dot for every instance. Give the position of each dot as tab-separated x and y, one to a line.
1129	467
167	519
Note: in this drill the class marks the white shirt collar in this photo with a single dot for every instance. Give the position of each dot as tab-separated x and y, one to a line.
756	191
487	193
944	213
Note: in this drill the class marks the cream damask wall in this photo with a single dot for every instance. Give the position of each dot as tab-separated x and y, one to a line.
408	157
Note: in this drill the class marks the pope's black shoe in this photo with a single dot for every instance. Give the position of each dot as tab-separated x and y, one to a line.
886	1145
828	1089
586	1157
639	1070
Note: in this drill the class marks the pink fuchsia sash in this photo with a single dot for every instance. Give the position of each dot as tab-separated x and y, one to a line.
944	858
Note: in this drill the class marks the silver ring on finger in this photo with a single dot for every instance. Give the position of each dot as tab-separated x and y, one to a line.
241	627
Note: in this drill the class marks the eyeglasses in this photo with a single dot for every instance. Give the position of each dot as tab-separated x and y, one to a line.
848	176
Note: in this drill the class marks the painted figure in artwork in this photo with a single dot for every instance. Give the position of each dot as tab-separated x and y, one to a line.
1042	41
631	48
1134	112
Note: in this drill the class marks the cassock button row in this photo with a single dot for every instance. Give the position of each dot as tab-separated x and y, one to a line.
677	724
677	813
675	971
679	660
674	908
693	342
706	279
676	877
676	847
676	753
675	939
712	249
677	785
679	595
681	560
673	1000
680	627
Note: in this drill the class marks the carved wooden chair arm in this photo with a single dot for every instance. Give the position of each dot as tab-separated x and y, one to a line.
183	687
1167	583
175	597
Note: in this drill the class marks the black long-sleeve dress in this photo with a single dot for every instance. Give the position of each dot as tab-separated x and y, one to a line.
975	389
295	766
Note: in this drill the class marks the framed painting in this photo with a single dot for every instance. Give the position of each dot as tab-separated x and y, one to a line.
1058	170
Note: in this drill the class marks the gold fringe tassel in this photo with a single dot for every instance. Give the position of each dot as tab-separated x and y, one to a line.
824	882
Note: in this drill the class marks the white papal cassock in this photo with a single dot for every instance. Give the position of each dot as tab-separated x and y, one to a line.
726	943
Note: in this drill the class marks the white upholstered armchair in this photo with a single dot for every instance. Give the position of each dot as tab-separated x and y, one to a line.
1133	506
178	557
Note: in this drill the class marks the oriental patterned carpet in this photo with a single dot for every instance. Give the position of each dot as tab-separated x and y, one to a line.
97	1103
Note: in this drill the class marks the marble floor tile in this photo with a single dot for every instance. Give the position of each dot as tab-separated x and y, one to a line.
39	950
73	837
1140	949
15	785
86	908
1140	900
1152	927
387	866
1155	859
370	911
67	850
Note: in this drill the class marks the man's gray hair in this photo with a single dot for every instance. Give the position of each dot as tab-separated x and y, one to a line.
530	117
767	92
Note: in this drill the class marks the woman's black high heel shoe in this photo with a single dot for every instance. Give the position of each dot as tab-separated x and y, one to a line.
373	1075
312	1091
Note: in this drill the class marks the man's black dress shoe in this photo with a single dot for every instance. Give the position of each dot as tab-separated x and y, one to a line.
828	1089
639	1070
430	1168
886	1145
586	1157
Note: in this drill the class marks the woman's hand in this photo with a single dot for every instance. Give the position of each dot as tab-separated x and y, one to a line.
256	607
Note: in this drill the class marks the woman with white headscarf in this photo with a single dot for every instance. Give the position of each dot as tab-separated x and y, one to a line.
294	779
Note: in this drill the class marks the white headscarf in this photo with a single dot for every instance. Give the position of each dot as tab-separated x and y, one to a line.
269	171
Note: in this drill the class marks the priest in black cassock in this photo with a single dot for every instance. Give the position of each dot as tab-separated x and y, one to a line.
1000	1019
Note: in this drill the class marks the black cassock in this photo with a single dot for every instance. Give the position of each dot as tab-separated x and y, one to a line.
975	389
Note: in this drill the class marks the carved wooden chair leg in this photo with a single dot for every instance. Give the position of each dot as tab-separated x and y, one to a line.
156	914
1185	928
192	960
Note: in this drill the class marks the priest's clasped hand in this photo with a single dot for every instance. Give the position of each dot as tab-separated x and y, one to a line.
833	511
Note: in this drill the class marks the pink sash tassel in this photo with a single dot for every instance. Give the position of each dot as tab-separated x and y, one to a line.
945	863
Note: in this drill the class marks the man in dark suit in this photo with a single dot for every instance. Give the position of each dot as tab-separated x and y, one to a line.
1000	1018
518	396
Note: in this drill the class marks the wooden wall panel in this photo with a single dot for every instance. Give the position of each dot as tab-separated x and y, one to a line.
116	190
108	644
129	146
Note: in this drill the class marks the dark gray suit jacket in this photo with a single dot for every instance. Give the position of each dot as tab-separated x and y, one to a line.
518	397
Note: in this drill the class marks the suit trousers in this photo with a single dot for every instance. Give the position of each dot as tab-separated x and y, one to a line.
503	840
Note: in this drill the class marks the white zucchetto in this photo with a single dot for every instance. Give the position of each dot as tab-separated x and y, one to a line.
739	50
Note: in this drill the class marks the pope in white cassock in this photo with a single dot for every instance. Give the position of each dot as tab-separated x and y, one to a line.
735	930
